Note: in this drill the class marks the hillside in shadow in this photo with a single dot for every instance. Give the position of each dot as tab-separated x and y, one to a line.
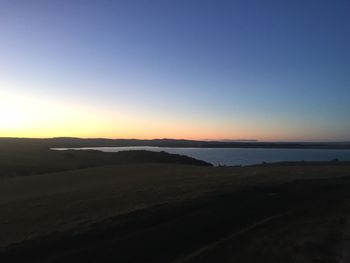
68	142
29	159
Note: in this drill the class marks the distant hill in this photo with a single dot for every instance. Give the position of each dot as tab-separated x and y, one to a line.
68	142
30	160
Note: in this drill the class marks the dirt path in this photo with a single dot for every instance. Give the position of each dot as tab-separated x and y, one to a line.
228	238
344	254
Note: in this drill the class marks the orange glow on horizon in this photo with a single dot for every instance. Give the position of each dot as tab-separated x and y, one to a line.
34	117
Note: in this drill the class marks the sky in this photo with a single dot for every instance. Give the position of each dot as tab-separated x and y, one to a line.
266	70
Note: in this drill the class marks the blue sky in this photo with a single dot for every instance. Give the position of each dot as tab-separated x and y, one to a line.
268	70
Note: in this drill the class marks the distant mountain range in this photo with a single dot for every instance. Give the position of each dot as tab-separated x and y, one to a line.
69	142
235	140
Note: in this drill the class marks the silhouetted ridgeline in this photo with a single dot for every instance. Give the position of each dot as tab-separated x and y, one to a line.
30	160
67	142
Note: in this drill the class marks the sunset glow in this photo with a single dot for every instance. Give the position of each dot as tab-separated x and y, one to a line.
120	71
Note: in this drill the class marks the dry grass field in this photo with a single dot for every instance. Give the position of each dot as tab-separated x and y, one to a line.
87	207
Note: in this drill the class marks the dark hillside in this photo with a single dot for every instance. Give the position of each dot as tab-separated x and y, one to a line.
30	160
68	142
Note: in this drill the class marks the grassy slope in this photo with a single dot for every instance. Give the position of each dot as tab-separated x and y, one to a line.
73	203
25	159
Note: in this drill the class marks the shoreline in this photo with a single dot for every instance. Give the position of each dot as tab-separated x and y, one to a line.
63	142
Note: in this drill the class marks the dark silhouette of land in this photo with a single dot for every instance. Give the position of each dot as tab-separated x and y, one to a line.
67	142
31	159
177	213
139	206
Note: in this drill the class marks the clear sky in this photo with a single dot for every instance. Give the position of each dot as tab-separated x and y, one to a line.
267	70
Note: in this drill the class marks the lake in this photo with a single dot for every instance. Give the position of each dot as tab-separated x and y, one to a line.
240	156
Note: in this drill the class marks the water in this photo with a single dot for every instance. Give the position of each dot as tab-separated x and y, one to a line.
241	156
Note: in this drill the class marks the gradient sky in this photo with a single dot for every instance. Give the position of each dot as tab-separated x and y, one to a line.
267	70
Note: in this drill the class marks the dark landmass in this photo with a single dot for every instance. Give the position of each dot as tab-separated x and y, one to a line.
140	206
178	213
234	140
30	160
66	142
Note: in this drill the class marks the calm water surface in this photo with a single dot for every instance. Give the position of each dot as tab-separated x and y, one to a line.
240	156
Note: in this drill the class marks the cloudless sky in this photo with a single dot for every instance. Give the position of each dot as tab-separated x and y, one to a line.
267	70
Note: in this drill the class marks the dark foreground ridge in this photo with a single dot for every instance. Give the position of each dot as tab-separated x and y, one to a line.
140	206
31	160
302	221
67	142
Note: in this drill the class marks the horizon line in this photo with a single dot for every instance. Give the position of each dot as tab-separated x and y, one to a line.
181	139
